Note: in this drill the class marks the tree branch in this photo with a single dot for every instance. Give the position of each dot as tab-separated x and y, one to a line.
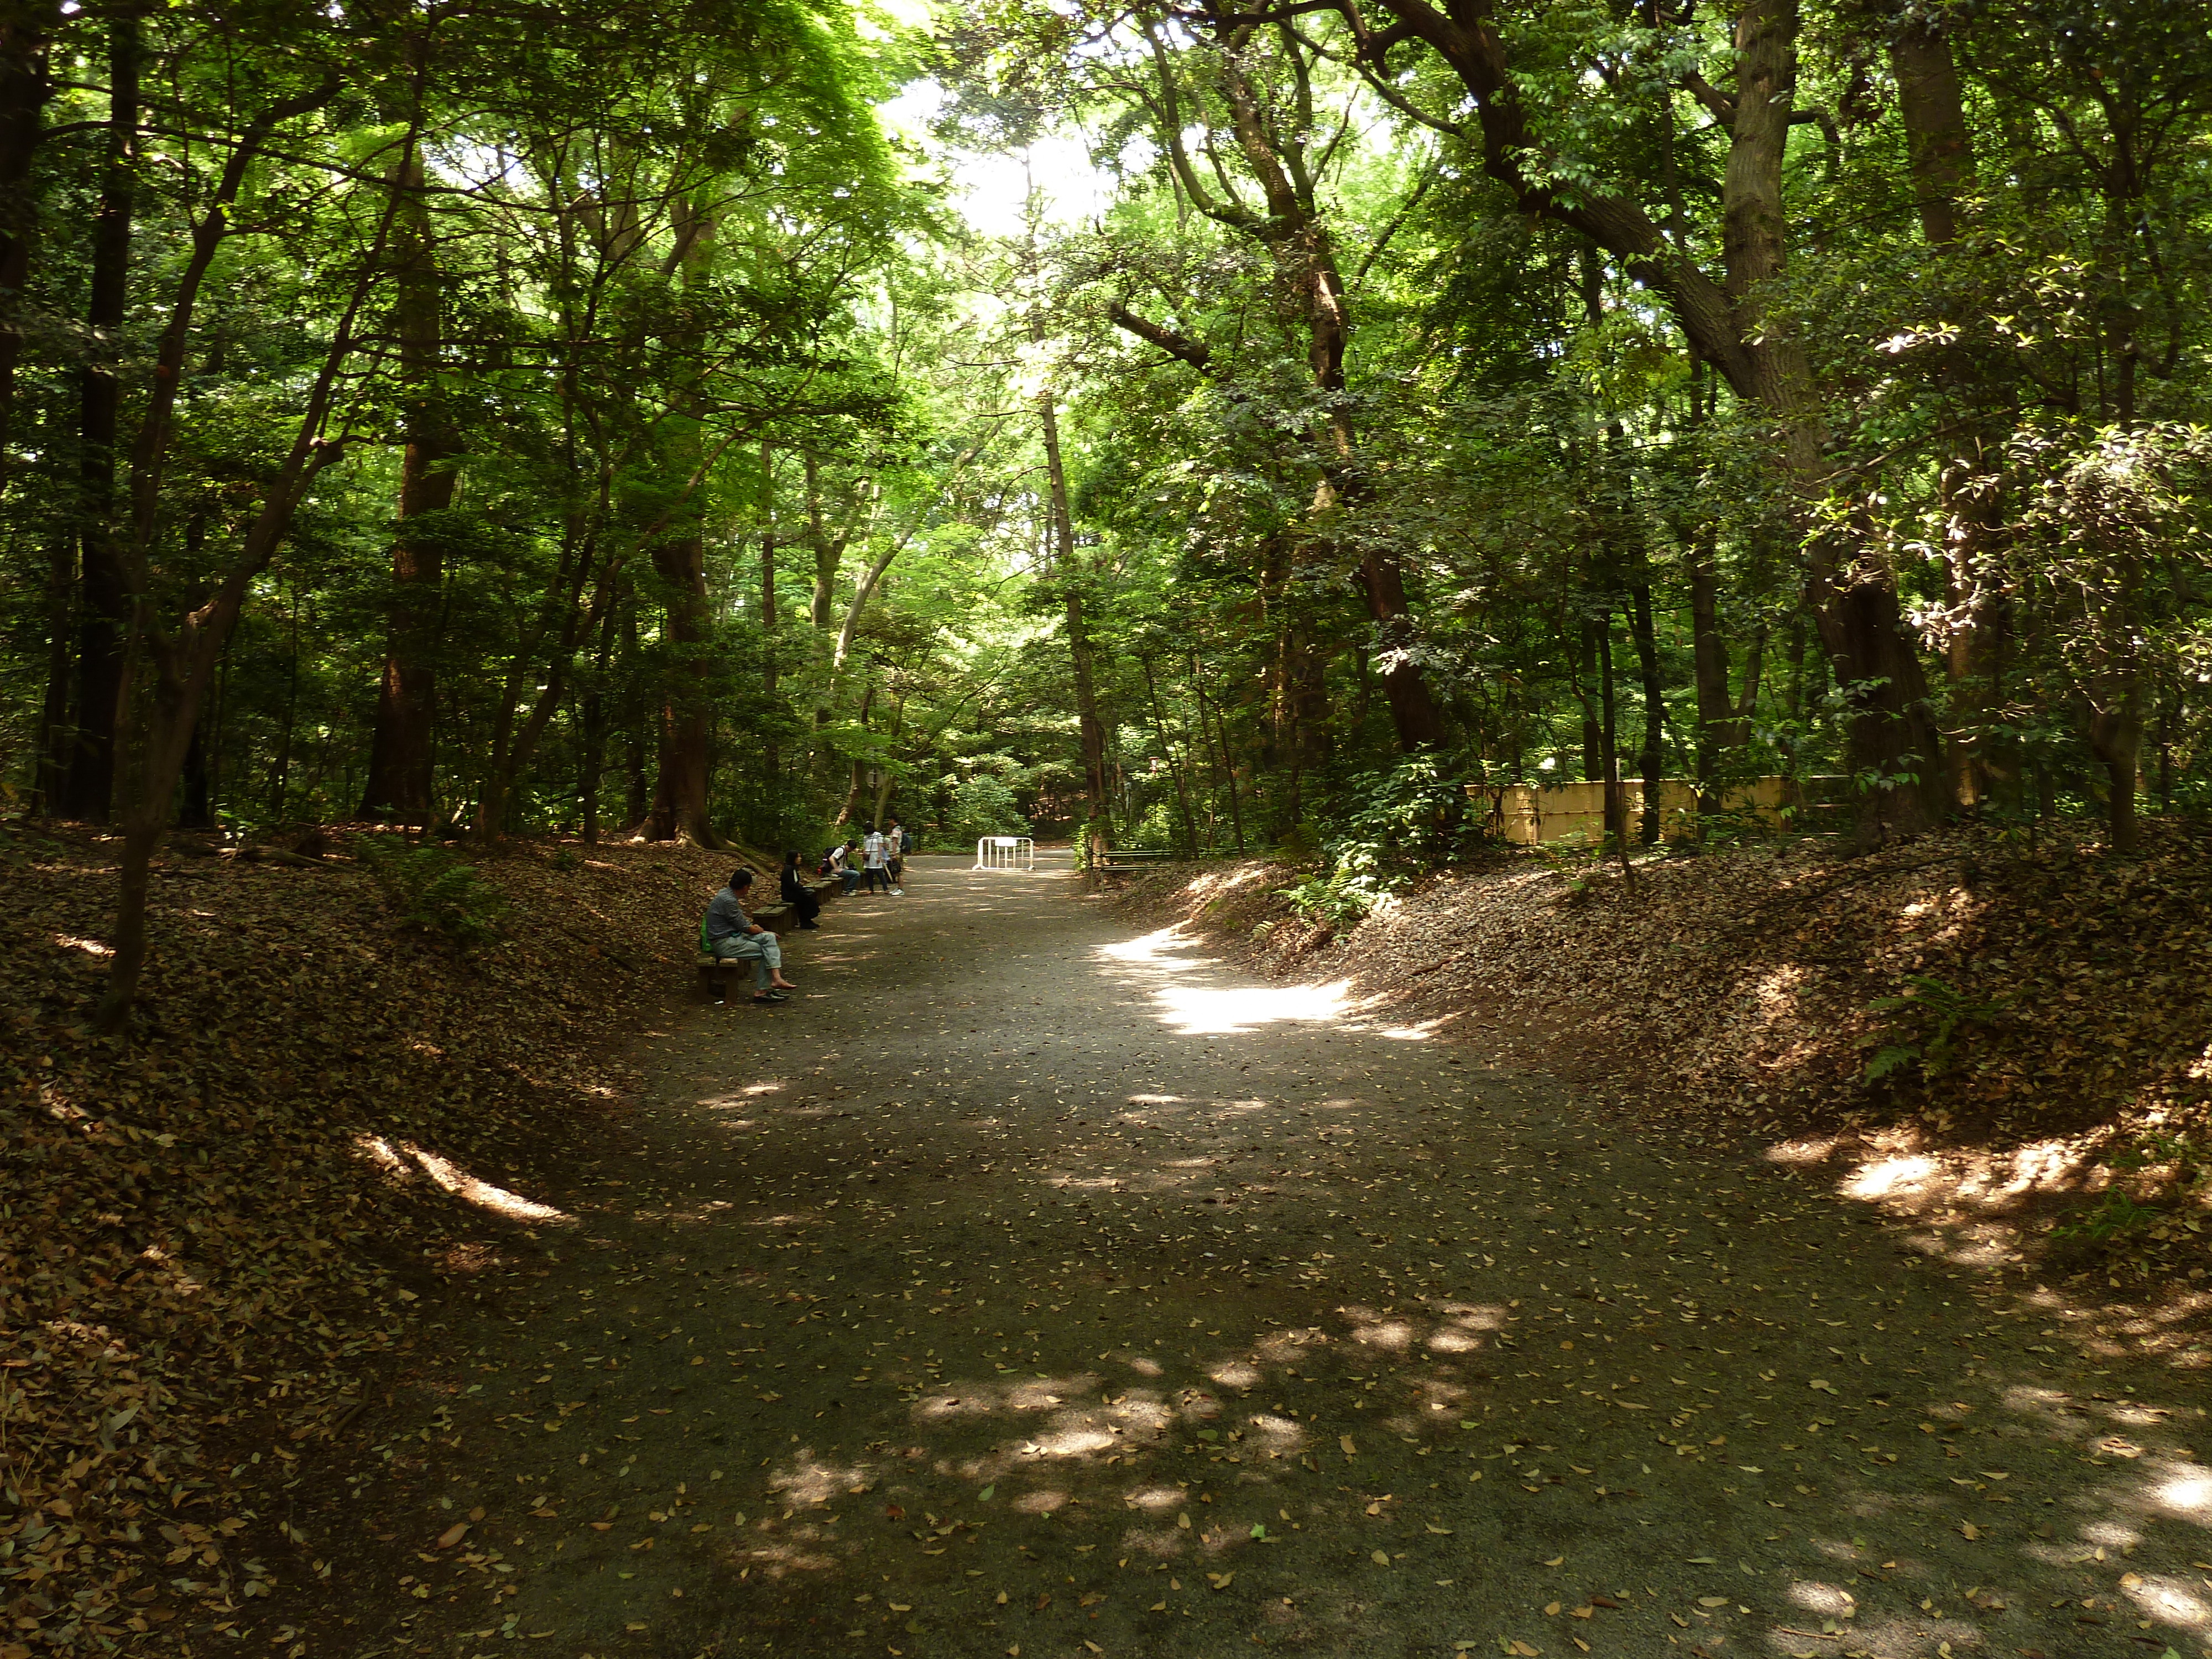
1194	352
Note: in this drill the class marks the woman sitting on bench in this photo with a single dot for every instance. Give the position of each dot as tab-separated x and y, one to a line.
797	894
728	934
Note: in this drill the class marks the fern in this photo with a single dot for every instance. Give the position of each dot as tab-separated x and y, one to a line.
1942	1012
435	891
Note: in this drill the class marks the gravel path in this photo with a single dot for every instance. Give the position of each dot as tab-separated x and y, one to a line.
1027	1289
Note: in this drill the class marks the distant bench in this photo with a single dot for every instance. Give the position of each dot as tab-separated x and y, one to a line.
1128	860
770	916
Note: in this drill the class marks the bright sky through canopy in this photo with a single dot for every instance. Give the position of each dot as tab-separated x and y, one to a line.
989	189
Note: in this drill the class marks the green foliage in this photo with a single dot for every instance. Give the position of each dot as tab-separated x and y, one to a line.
2190	1159
433	892
1339	900
1403	821
1573	859
983	805
2115	1217
1934	1013
1384	829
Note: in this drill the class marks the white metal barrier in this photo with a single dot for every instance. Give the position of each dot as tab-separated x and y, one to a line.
1006	853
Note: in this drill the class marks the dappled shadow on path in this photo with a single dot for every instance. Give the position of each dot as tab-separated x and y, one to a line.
1038	1292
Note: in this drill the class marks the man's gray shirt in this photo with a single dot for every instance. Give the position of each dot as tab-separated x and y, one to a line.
725	916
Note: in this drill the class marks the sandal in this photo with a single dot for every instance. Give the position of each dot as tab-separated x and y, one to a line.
770	996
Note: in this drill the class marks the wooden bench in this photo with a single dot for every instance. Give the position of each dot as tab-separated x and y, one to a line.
1128	860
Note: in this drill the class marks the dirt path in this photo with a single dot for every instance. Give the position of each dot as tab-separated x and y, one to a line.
1026	1289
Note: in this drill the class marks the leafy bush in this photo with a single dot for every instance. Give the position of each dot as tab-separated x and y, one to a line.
1408	821
1338	900
1386	829
1939	1011
435	891
2115	1217
984	805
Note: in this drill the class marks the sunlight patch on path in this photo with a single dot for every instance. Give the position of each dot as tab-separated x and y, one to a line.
1224	1011
452	1178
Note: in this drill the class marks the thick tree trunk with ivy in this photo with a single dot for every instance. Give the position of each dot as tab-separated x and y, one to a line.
401	753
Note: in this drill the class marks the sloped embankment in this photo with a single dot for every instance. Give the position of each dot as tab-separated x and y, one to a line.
217	1230
2058	1012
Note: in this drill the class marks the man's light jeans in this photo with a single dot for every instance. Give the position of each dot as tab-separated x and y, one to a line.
759	948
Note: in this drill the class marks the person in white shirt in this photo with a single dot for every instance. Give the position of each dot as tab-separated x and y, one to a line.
873	853
895	845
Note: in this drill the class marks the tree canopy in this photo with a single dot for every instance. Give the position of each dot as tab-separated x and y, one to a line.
492	421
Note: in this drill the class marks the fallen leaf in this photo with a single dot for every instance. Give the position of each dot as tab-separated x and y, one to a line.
1380	1558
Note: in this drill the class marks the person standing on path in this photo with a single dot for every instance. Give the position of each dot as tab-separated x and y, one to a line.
728	934
873	854
895	846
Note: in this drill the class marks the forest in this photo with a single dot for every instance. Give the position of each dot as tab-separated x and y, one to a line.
496	420
472	470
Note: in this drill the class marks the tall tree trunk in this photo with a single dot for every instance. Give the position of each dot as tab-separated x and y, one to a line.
771	753
680	794
56	740
857	774
885	779
1298	716
25	30
636	719
1931	105
2115	739
1650	756
1616	799
401	753
196	804
1594	766
594	714
280	764
829	552
1092	730
679	801
1709	657
1295	235
102	614
1228	767
1892	740
1175	772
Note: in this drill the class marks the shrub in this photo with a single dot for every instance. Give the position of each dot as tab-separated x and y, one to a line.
984	805
434	890
1389	827
1935	1013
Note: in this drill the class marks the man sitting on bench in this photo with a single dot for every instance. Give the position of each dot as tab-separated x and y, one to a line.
728	934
